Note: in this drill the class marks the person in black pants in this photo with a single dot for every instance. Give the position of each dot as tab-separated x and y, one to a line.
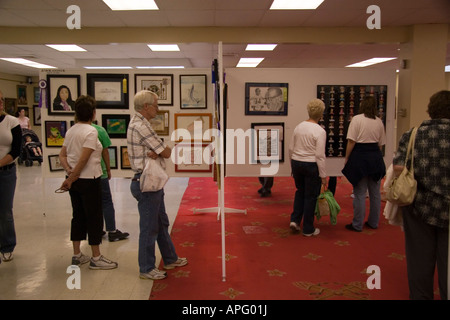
267	184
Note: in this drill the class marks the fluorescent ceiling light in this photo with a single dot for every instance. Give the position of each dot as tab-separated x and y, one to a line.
295	4
163	47
160	67
118	5
66	47
249	62
28	63
260	47
369	62
107	67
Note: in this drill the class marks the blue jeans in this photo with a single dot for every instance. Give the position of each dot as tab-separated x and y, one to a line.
109	214
308	183
8	180
153	227
359	202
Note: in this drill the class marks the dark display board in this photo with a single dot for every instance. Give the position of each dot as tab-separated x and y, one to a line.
341	104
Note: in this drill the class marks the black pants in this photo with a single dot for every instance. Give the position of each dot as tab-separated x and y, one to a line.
87	216
426	247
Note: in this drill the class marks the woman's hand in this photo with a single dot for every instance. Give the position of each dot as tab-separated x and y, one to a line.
152	155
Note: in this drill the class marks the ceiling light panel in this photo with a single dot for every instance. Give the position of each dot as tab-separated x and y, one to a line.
163	47
122	5
249	62
260	47
295	4
66	47
28	63
369	62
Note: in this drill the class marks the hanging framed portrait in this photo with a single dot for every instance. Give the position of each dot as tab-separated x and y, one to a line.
55	132
161	84
161	122
62	92
193	127
116	125
193	91
267	142
109	90
269	99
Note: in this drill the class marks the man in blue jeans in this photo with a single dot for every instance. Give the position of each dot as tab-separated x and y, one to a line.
143	143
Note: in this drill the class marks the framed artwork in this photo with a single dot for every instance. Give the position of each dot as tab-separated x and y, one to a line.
62	92
22	95
193	127
54	163
161	123
161	84
55	132
116	125
109	90
11	106
112	150
267	142
190	157
37	115
124	160
341	104
36	94
266	99
193	91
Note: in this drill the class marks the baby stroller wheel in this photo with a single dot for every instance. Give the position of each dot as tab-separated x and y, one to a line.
28	163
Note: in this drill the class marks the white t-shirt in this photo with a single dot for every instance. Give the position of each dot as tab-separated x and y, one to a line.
366	130
6	137
308	145
79	136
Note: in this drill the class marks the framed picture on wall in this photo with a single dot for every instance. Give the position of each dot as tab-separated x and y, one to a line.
109	90
55	132
190	157
193	91
116	125
11	106
267	142
161	84
37	115
161	123
62	91
266	99
54	163
22	95
112	150
193	127
124	160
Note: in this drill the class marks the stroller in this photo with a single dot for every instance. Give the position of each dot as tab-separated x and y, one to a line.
31	148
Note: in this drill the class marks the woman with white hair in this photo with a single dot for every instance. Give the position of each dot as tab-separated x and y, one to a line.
307	154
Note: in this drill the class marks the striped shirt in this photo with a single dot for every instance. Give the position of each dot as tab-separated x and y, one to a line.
141	138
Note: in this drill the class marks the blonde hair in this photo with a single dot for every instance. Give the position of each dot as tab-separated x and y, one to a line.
315	108
143	97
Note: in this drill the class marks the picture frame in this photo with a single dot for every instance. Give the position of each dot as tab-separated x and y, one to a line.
267	142
193	91
190	157
11	106
161	122
112	151
109	90
193	127
54	163
36	94
266	99
22	95
116	125
37	120
124	160
161	84
62	92
55	132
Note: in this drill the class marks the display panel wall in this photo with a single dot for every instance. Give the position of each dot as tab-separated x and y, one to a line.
303	87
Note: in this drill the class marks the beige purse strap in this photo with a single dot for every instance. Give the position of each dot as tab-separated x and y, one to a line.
410	150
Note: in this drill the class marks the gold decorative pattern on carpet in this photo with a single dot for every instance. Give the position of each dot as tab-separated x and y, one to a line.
191	224
228	257
181	274
276	273
342	243
397	256
265	244
231	293
312	256
187	244
327	290
158	286
281	232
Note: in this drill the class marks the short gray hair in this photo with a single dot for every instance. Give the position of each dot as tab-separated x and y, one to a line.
315	108
143	97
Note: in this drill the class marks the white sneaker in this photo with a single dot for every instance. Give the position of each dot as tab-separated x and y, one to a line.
294	227
315	233
179	263
155	274
102	264
80	260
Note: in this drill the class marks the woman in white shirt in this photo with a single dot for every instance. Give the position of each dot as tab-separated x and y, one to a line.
81	156
307	154
364	164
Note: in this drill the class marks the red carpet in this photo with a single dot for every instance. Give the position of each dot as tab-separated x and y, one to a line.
265	261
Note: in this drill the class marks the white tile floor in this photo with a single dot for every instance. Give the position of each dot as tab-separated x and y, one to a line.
44	250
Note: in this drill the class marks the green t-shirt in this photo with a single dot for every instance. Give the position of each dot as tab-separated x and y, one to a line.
104	139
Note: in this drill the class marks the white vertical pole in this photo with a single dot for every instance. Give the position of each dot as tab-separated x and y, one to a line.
221	161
